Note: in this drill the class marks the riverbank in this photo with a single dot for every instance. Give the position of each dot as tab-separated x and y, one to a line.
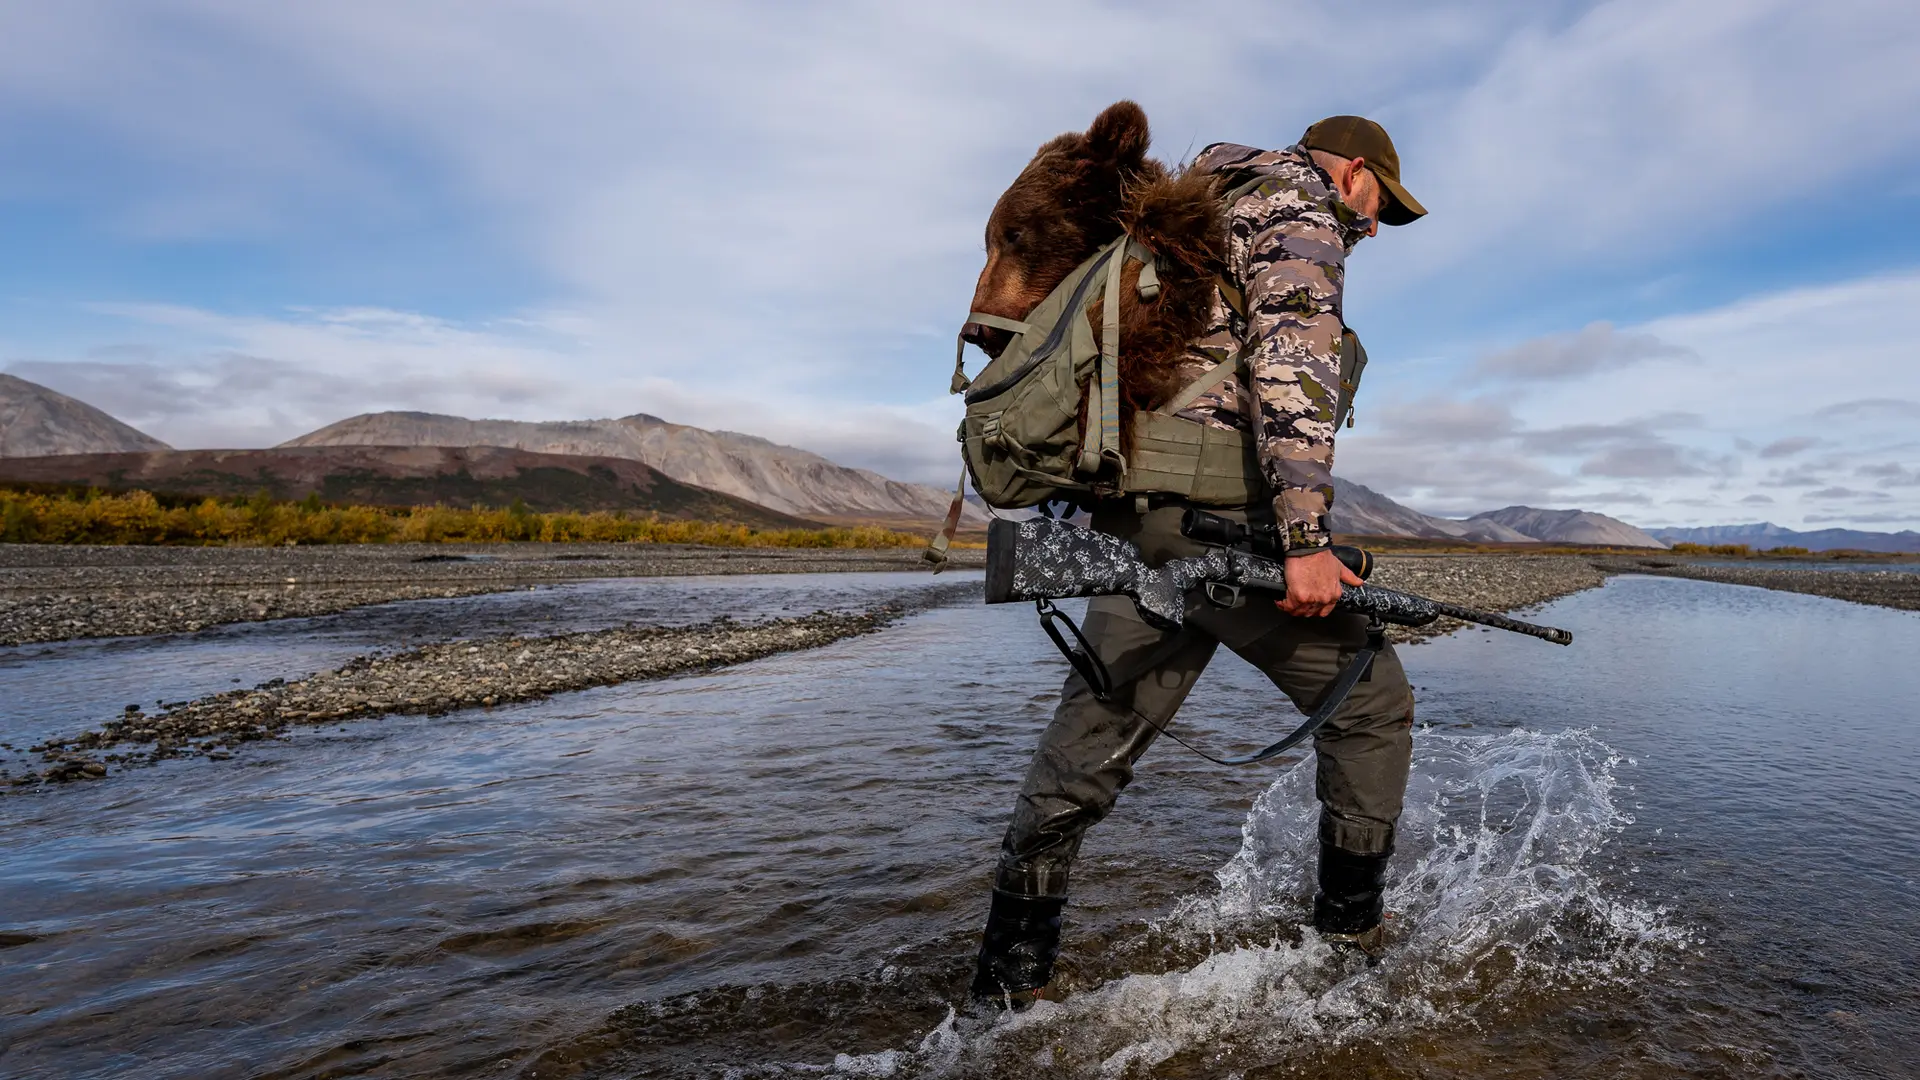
1891	588
57	592
1498	583
445	677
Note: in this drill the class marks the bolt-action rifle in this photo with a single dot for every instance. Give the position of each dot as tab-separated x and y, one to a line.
1044	560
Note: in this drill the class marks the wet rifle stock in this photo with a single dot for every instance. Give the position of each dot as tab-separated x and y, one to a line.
1042	559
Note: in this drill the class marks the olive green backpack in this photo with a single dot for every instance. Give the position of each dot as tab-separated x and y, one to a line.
1023	439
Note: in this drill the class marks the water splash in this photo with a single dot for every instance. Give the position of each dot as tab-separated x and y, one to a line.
1496	896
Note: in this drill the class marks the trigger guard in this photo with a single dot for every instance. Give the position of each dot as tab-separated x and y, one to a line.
1220	594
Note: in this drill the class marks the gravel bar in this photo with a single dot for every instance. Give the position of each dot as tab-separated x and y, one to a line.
442	678
1497	583
1882	588
55	592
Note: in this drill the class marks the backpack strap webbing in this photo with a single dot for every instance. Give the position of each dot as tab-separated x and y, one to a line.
960	380
1214	376
1102	448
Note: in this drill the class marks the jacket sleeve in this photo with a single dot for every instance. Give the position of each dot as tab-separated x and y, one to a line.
1292	263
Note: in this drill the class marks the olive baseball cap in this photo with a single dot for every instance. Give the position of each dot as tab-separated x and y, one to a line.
1359	137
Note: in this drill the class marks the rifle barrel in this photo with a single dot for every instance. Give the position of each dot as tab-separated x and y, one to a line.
1501	622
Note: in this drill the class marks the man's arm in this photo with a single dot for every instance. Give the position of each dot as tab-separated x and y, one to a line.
1292	263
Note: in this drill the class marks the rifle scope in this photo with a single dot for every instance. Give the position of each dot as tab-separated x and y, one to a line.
1217	531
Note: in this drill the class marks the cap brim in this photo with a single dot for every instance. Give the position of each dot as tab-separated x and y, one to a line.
1403	208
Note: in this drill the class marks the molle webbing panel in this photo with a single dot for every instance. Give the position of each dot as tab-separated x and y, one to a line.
1198	462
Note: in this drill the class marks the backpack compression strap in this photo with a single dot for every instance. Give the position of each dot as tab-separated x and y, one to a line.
960	380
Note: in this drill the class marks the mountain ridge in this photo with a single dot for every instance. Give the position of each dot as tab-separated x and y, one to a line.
1569	527
1359	510
783	478
36	421
403	476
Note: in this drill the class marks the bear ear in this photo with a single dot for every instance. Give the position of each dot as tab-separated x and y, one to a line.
1119	134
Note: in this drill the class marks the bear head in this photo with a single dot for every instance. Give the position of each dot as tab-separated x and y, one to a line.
1064	205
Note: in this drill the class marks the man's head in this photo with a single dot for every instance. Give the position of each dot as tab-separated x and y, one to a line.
1360	158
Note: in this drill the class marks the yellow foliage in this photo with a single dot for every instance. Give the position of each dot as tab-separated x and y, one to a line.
137	517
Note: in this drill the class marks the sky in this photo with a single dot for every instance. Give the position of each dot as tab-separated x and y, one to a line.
1671	270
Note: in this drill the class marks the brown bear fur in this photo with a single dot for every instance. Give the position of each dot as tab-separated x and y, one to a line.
1080	191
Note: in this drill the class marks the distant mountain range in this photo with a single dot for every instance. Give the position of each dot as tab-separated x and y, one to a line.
1359	510
35	421
783	478
642	462
404	476
1768	535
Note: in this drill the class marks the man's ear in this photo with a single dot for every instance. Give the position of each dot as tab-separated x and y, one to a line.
1119	135
1350	175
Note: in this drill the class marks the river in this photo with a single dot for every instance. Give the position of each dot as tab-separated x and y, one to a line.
1689	845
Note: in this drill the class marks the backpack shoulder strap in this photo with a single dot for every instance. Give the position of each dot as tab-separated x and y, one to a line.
1213	377
1237	300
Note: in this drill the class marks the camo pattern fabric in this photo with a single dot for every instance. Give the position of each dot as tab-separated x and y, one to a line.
1287	248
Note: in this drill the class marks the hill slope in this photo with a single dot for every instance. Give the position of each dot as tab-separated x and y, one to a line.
1360	510
403	476
784	478
35	421
1768	535
1569	527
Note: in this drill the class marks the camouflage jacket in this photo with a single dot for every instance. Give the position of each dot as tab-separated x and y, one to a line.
1287	246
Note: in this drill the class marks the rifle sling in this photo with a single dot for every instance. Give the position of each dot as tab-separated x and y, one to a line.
1101	683
1350	677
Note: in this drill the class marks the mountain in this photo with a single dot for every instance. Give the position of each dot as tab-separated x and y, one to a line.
1569	527
1360	510
1768	535
35	421
403	476
783	478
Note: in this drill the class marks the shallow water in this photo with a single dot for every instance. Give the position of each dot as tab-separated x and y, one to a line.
62	687
1687	846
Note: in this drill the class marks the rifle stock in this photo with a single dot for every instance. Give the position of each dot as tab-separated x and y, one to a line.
1042	559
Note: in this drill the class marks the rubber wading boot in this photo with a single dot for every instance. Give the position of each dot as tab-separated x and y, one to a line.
1351	905
1019	947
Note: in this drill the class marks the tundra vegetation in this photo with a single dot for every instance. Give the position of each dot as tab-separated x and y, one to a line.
140	517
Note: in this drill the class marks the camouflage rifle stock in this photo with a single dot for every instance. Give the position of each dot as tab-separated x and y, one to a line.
1043	559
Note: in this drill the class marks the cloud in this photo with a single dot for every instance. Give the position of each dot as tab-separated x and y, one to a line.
1889	408
1618	498
1861	519
1788	447
1598	347
1758	500
1795	476
1716	80
1642	462
1849	493
1586	438
1891	474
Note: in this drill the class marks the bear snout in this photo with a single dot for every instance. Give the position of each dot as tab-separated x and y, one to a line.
990	340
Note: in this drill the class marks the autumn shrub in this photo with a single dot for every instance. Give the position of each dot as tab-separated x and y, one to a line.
1712	549
138	517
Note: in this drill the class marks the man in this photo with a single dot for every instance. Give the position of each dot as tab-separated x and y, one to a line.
1288	241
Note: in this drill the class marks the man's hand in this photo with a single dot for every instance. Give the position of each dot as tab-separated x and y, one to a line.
1313	584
